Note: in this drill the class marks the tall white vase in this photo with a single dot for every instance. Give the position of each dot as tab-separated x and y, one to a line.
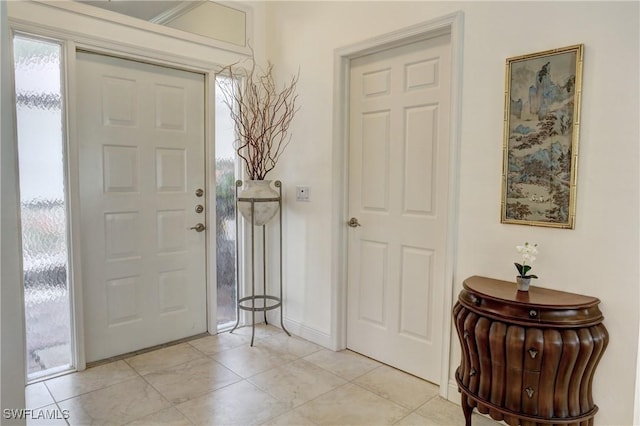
258	190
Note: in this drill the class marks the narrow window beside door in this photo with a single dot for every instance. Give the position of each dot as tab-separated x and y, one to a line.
44	219
226	174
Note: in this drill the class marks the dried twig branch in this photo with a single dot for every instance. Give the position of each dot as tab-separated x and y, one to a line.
262	114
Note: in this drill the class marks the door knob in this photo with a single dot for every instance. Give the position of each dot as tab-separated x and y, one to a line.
353	222
198	228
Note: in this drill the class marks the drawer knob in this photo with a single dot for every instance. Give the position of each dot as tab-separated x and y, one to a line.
529	392
473	372
533	313
533	353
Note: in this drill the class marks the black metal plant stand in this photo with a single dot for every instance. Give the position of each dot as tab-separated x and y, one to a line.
269	302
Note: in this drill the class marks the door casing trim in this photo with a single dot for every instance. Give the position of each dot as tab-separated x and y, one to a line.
449	24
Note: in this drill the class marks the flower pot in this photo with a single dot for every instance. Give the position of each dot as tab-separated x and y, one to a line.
523	283
258	190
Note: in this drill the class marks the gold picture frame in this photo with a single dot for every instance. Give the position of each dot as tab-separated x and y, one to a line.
541	133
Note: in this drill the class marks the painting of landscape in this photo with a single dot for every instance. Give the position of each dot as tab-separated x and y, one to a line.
541	131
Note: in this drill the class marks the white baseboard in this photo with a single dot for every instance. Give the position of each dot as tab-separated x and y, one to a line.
308	333
311	334
453	395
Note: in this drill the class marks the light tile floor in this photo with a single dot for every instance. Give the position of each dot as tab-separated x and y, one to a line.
221	380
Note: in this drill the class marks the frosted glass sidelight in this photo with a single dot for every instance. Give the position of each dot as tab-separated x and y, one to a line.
39	116
226	167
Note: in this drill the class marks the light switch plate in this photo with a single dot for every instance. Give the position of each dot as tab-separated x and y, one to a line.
302	193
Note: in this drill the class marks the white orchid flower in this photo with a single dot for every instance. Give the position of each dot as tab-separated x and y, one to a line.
528	252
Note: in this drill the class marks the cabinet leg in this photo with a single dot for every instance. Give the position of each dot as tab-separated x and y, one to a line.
467	410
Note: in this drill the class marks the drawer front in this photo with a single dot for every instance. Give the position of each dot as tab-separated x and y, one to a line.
529	314
500	310
530	392
533	349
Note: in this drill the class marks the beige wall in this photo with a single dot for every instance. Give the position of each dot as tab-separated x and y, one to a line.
598	258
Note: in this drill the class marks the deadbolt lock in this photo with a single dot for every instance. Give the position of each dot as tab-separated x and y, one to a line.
199	192
199	208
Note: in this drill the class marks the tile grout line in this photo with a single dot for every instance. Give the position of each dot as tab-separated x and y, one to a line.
171	404
55	403
206	356
296	357
127	357
94	390
347	382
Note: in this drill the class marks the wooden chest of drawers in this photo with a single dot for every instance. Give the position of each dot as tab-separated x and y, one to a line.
527	357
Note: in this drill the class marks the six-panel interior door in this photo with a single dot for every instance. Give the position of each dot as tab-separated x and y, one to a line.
398	192
141	154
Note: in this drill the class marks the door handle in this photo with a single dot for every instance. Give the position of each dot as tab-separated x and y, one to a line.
198	228
353	222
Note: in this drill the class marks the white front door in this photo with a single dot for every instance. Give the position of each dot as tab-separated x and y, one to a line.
142	162
398	192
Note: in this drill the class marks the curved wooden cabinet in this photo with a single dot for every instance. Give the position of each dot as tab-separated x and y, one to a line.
528	358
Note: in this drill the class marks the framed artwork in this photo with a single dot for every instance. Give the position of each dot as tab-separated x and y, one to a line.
541	131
